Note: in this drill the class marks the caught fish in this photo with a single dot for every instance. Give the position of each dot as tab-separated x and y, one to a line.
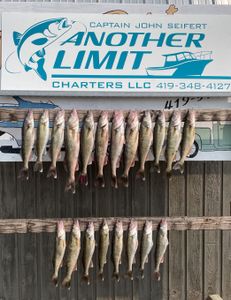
89	248
117	248
57	138
145	142
87	144
187	140
28	137
59	251
159	138
132	246
161	246
117	143
131	144
101	144
173	140
42	140
146	245
72	141
73	250
103	248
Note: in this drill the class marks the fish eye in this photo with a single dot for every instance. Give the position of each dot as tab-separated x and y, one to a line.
40	41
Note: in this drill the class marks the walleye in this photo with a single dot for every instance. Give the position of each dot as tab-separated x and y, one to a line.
132	246
187	139
42	140
57	139
146	245
73	250
173	140
59	251
131	144
117	143
87	144
102	135
103	247
145	142
117	248
72	149
161	246
89	248
159	138
28	137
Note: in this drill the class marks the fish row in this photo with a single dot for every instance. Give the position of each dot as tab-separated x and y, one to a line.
131	139
72	250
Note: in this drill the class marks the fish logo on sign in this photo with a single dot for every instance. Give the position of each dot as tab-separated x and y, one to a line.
32	43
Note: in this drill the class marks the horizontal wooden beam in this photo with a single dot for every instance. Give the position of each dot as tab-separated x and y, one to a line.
201	115
174	223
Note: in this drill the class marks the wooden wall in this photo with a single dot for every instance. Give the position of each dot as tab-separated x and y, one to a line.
197	263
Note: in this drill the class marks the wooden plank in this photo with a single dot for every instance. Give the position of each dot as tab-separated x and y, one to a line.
158	189
177	275
212	239
195	175
226	236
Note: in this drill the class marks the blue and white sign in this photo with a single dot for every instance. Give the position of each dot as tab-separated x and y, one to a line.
116	53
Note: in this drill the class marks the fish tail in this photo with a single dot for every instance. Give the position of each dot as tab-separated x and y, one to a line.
86	278
52	172
70	185
24	173
124	179
101	275
140	174
99	181
179	166
114	182
142	273
116	276
38	167
130	274
67	282
55	280
83	179
157	167
157	275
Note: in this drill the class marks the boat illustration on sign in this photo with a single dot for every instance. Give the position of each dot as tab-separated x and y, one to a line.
182	64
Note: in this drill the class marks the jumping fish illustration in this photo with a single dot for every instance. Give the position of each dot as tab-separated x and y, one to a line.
32	43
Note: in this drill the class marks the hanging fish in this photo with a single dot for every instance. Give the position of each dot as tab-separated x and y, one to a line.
59	251
117	248
72	142
132	246
161	246
57	138
187	140
87	145
131	144
101	145
42	140
117	143
145	142
146	245
173	140
89	248
159	138
103	247
73	250
28	137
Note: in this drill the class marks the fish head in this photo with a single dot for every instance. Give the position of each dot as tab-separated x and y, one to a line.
147	119
176	118
76	229
148	227
29	120
103	119
119	228
89	120
133	227
105	227
191	118
90	230
161	118
60	118
163	225
44	117
73	120
61	230
118	119
132	119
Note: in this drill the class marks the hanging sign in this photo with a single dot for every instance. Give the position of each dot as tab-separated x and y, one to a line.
116	53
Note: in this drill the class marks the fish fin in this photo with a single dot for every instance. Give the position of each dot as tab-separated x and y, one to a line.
55	280
91	264
133	163
124	179
38	167
140	175
70	185
114	182
77	167
134	260
142	273
40	70
67	282
120	262
157	275
52	172
99	181
162	260
27	68
65	165
16	37
101	275
83	179
24	173
146	260
86	278
179	166
40	41
106	160
157	167
116	276
130	274
41	52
